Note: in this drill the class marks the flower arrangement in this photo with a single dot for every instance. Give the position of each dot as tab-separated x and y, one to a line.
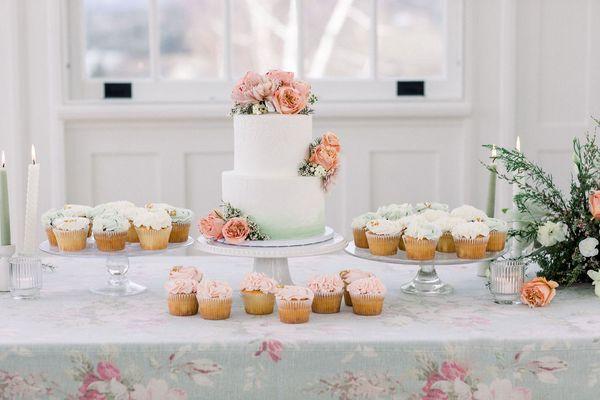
230	224
323	159
560	232
276	91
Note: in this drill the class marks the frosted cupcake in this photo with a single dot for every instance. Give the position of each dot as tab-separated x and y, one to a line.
294	304
420	239
182	287
77	210
420	207
446	242
383	237
359	229
258	293
367	296
403	223
181	220
153	229
110	232
214	300
328	291
48	219
498	233
71	233
469	213
471	239
130	214
393	212
348	276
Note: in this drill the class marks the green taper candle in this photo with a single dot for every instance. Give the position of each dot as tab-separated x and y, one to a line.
4	209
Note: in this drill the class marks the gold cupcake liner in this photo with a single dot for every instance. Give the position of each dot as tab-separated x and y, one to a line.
365	304
71	240
360	238
327	303
152	239
446	243
132	236
183	305
383	245
472	249
347	298
215	309
401	245
294	311
497	241
179	233
110	241
419	249
51	237
257	302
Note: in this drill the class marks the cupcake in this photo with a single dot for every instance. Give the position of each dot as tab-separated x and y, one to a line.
498	233
469	213
47	223
383	237
446	242
77	210
71	233
471	239
153	229
181	220
348	276
110	232
393	212
403	223
367	296
257	291
214	300
420	207
130	214
182	287
359	229
294	304
420	239
328	291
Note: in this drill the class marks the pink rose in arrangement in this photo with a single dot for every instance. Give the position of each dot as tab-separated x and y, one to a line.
236	230
325	156
538	292
108	371
211	226
595	204
290	100
253	88
281	77
330	139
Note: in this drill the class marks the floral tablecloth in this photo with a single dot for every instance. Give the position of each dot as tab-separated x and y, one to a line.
72	344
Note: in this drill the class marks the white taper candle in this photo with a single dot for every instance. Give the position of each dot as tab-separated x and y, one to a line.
31	206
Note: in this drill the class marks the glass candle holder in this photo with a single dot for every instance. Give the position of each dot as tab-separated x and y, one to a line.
25	277
506	281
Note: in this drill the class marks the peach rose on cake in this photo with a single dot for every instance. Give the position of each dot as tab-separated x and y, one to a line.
281	77
253	88
211	226
595	204
538	292
236	230
291	99
325	156
330	139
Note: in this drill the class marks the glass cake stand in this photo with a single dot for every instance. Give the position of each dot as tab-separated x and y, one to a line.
426	282
117	264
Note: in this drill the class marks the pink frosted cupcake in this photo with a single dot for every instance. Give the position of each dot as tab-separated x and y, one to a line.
258	293
214	300
348	276
367	296
182	287
328	290
294	304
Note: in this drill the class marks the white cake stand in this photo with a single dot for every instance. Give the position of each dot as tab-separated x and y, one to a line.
117	264
273	260
426	282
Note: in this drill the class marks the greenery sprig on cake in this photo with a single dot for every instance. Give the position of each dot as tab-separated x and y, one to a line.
323	159
231	224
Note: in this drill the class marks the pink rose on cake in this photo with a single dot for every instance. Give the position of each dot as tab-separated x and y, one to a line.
330	139
236	230
325	156
253	88
211	226
290	99
281	77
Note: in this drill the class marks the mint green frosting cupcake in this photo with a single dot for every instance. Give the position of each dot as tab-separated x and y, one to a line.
182	216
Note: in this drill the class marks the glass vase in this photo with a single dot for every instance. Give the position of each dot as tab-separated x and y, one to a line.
25	276
506	281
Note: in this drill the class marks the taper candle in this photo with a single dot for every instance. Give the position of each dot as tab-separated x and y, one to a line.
491	204
4	209
31	206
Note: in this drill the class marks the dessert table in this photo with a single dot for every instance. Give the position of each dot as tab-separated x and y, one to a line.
71	344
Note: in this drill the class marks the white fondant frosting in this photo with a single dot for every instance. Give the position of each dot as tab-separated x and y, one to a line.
470	230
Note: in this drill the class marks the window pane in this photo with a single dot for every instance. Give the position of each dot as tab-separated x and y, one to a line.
336	38
116	38
263	35
191	38
411	38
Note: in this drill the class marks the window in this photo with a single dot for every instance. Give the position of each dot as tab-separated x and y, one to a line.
193	50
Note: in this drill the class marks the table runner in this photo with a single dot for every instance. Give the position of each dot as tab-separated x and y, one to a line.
73	344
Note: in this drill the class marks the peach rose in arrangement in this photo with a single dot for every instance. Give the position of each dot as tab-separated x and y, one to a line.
253	88
211	226
538	292
325	156
236	230
289	100
281	77
330	139
595	204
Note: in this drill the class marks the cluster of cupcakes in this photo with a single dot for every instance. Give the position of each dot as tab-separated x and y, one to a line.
427	228
115	224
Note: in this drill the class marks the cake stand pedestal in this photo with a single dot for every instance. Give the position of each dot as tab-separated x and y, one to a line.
273	261
117	264
426	282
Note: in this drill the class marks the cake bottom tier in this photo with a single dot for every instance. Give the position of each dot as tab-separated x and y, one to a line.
284	207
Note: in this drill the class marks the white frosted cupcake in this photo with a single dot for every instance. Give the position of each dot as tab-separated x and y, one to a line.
181	220
182	287
393	212
258	293
498	233
403	223
446	242
130	213
383	237
420	239
367	296
48	219
71	233
153	229
348	276
214	300
110	232
469	213
420	207
328	290
359	229
77	210
471	239
294	304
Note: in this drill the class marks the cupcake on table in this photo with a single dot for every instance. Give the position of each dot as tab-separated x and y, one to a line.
328	292
110	232
153	229
420	239
446	242
182	287
294	304
471	239
383	237
359	229
367	296
130	213
77	210
469	213
48	219
348	276
498	233
421	207
403	223
393	212
181	220
258	293
214	300
71	233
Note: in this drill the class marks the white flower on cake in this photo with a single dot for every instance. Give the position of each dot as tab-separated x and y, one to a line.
552	233
157	219
395	211
589	247
469	213
421	229
470	230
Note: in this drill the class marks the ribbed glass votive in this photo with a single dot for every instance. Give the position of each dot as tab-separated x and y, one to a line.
506	281
25	277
